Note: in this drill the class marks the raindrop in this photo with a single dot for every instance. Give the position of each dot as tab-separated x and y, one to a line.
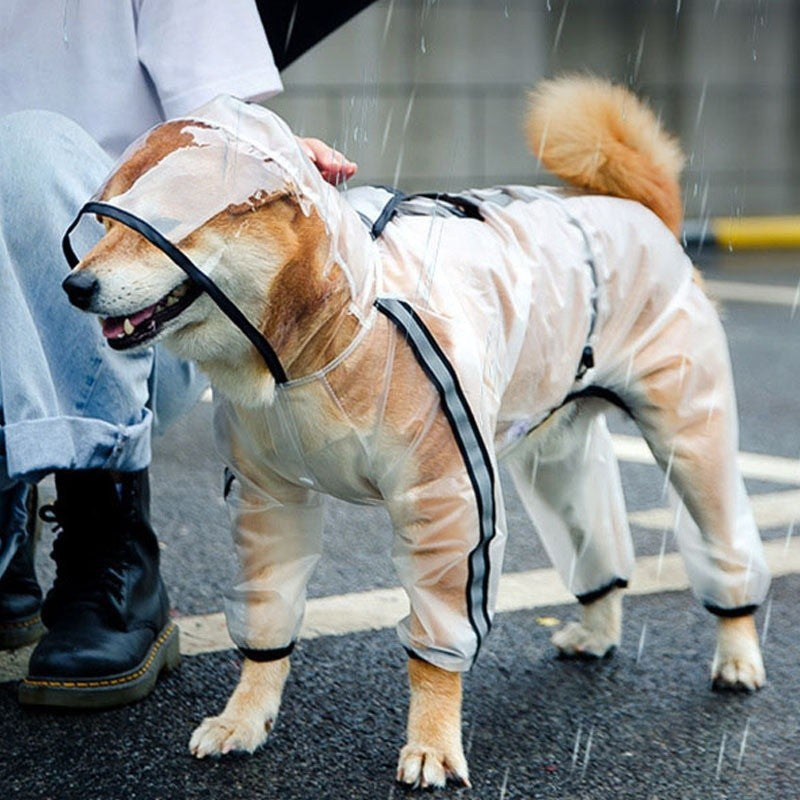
677	8
549	7
535	470
398	166
789	533
701	103
639	53
290	29
576	749
572	566
389	12
642	637
560	27
505	784
587	751
716	6
422	44
505	10
765	628
796	301
64	25
386	129
661	552
411	99
743	745
629	372
587	445
721	755
668	472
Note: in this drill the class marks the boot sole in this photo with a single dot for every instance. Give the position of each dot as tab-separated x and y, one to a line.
116	690
21	632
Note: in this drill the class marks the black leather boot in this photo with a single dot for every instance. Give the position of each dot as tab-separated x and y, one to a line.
109	632
20	595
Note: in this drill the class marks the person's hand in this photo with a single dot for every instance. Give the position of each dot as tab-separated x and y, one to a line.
332	165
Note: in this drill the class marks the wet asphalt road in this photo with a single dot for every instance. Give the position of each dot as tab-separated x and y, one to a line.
643	724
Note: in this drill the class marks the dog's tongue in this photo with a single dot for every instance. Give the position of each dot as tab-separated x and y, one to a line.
114	327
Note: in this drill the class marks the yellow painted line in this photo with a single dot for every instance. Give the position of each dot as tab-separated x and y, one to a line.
743	292
753	465
742	233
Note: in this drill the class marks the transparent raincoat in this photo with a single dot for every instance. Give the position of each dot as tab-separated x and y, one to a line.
491	313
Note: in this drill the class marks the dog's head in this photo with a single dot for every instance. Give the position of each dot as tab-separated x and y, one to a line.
233	192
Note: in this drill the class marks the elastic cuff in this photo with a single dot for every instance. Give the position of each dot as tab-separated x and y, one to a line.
731	613
591	597
263	656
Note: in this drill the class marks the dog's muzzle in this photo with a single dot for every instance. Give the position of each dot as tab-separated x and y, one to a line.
81	288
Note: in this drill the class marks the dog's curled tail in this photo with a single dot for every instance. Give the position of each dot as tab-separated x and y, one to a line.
600	137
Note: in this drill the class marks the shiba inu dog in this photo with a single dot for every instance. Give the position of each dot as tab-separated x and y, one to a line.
383	348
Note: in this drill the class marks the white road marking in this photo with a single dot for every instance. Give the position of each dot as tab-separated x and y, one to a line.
743	292
772	510
379	609
383	608
753	465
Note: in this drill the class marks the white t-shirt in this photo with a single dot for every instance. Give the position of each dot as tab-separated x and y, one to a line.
118	67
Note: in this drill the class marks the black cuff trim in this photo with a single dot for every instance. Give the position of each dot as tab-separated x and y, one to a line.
731	613
267	655
590	597
415	656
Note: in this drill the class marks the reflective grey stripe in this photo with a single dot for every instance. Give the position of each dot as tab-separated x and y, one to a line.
473	450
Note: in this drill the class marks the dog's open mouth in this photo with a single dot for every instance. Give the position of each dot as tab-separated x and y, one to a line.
143	325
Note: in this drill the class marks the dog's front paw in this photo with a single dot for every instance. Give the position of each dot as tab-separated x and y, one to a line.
574	640
427	767
738	663
741	674
216	736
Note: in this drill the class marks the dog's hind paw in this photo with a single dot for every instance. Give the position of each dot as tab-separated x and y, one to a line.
426	768
576	641
217	736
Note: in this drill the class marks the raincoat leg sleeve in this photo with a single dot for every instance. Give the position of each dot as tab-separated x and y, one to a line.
570	486
277	529
449	563
685	406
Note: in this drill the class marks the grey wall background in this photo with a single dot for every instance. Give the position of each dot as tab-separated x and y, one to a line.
429	94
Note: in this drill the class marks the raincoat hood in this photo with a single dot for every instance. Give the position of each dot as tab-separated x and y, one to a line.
233	157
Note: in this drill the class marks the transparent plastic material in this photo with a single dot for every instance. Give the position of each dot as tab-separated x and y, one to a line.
511	302
514	331
234	157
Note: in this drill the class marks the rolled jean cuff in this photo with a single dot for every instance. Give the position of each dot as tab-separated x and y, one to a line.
34	448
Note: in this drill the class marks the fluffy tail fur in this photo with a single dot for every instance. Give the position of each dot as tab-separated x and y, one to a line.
602	138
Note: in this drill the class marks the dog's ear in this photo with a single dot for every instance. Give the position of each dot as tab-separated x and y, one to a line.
147	153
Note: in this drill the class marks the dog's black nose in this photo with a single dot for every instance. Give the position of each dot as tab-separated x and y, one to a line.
81	287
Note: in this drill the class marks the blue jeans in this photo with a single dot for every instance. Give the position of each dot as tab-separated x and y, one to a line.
67	400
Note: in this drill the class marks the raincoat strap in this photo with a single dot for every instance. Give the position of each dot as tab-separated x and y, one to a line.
180	259
474	452
387	212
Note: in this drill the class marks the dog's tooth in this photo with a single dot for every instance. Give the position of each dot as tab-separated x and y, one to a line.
127	326
178	291
171	300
